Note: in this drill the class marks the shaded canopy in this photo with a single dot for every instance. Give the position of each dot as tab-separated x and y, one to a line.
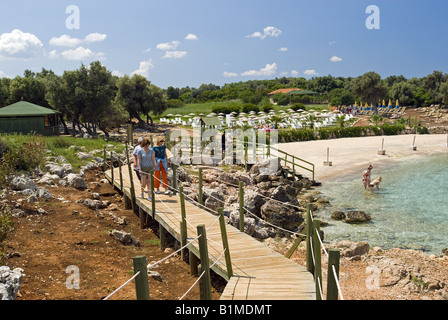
26	109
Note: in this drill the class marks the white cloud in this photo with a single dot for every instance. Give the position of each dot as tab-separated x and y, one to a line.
18	44
117	73
168	45
332	42
81	53
335	59
53	54
174	54
68	41
229	74
283	49
267	32
310	72
65	41
294	73
191	36
95	37
268	70
144	68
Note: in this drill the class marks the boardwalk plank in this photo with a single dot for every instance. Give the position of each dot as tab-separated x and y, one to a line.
260	273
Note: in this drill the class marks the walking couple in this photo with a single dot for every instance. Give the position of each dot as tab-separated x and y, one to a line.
151	160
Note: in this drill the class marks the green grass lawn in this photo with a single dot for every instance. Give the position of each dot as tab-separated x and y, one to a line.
58	145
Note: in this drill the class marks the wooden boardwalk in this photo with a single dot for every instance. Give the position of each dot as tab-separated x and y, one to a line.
259	273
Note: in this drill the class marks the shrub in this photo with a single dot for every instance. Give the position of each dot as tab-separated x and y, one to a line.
298	106
5	226
248	107
226	109
267	107
175	103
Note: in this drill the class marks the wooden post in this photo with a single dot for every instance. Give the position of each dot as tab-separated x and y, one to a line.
309	235
293	247
153	197
225	243
162	235
205	283
174	167
317	259
121	175
200	197
112	169
142	215
241	203
131	180
333	259
104	160
141	281
194	262
183	224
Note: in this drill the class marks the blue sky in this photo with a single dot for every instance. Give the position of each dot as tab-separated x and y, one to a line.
190	42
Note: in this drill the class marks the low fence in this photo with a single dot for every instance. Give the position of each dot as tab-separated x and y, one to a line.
314	244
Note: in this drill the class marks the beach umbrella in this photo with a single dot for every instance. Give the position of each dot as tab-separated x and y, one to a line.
221	114
178	115
170	115
192	114
201	114
397	104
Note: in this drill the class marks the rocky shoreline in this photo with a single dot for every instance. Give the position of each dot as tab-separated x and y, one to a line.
275	210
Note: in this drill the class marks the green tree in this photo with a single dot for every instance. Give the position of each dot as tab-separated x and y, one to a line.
28	89
404	92
432	83
139	97
341	96
369	87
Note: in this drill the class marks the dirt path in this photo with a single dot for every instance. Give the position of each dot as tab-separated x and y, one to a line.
71	234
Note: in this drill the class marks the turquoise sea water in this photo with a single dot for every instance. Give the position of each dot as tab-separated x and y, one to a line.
410	211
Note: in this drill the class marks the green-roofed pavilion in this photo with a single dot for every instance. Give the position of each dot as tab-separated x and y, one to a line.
24	117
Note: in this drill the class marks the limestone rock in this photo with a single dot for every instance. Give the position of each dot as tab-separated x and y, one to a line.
22	183
124	237
357	217
281	215
338	215
77	182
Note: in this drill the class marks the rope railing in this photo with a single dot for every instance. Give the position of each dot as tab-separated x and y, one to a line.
312	235
314	247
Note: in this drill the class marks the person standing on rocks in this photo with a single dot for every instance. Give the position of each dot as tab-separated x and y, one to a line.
146	164
366	177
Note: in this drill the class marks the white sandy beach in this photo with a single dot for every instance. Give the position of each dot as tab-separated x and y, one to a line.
352	155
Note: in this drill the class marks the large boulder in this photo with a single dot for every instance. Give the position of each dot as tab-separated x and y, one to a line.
266	167
350	248
10	281
357	217
76	181
281	215
124	237
253	201
22	183
213	198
